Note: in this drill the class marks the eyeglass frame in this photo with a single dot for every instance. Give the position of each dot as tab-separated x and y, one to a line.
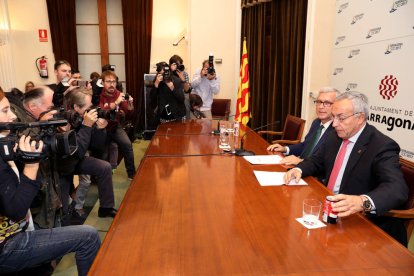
340	120
324	103
110	81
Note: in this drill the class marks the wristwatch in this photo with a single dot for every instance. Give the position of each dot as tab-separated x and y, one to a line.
366	204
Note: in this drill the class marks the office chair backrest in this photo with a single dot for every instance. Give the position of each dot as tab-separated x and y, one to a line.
220	109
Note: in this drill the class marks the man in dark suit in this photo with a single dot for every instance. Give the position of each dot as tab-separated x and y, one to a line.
318	131
361	164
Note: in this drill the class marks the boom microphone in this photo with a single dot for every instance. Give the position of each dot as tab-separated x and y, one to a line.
217	130
241	151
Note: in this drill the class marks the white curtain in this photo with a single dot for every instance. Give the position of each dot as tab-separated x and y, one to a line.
7	71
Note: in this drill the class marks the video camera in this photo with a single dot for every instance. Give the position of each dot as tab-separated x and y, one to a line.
62	144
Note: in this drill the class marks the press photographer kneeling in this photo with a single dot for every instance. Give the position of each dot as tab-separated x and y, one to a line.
90	127
20	245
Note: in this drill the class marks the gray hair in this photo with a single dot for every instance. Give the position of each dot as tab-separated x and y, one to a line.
359	101
329	89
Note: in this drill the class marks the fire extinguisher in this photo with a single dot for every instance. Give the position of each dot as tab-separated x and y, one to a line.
41	65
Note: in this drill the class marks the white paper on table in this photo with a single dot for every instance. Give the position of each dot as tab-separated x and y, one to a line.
274	179
263	159
318	224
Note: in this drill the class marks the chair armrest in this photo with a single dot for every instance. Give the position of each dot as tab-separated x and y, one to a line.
269	132
405	214
286	142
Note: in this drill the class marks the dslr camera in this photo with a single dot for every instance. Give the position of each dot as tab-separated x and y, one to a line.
63	144
109	115
211	69
166	75
72	117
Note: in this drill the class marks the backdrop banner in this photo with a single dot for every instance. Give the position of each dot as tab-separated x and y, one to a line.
373	53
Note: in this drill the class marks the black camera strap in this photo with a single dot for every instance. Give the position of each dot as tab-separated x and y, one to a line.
30	157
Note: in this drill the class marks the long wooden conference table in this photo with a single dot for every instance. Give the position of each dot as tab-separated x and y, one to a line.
194	210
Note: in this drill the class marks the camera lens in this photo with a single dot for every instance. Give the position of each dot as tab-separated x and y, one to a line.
181	67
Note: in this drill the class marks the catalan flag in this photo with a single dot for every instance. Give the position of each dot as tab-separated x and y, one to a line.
243	94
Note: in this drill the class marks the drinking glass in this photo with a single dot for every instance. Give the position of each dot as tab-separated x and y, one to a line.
311	211
224	137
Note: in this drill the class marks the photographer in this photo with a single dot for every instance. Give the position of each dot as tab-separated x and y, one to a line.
167	95
91	129
120	106
196	103
20	245
206	83
66	80
177	66
63	73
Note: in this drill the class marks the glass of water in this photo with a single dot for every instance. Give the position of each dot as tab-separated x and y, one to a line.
224	136
311	211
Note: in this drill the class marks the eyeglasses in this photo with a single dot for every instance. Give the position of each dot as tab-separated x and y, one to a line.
342	118
110	81
325	103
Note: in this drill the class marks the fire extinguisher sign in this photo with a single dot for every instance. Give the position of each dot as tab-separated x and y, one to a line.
42	35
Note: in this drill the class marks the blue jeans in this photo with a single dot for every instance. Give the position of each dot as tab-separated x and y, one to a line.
28	249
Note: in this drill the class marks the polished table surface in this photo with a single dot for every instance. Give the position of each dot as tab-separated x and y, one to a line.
195	214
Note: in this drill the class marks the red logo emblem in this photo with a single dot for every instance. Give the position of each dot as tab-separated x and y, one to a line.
388	87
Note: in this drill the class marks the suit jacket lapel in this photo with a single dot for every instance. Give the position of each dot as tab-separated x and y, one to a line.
323	138
357	151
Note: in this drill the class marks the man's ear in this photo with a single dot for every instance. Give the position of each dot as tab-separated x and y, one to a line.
32	106
76	108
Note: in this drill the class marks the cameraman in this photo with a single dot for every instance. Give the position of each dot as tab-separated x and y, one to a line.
38	105
206	83
20	245
91	129
167	95
120	105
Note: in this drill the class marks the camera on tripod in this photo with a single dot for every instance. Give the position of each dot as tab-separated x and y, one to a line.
63	144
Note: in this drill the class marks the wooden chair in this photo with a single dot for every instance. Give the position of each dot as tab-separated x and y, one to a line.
292	131
220	109
407	213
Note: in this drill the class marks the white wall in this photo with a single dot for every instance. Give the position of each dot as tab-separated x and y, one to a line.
215	27
210	27
26	18
319	40
169	24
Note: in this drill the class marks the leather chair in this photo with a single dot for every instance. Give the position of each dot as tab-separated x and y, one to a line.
220	109
292	131
407	213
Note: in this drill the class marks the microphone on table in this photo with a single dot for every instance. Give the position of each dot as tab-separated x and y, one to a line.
241	151
217	130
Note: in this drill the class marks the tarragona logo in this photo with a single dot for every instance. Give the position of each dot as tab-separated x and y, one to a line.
388	87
